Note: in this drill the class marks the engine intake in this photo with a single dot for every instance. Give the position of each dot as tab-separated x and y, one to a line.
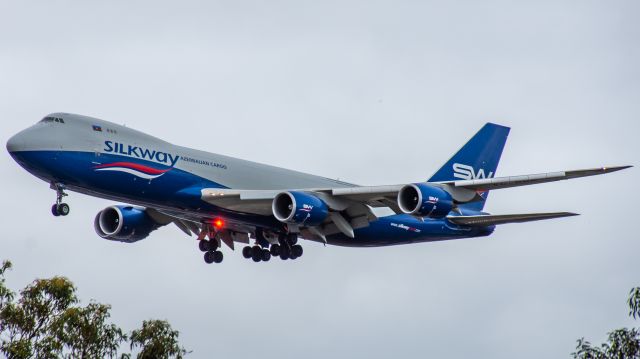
421	199
299	208
124	224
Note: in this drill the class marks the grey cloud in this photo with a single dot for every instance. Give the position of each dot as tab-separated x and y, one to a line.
371	92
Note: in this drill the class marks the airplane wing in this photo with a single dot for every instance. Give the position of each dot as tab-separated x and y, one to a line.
488	220
515	181
345	215
350	207
463	191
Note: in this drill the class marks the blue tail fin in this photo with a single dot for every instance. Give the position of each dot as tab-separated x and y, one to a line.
477	159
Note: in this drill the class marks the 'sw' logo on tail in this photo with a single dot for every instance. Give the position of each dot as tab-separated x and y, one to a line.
466	172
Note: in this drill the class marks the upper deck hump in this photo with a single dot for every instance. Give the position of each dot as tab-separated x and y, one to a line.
81	122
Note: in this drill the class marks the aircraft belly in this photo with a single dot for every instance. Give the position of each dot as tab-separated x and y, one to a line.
405	229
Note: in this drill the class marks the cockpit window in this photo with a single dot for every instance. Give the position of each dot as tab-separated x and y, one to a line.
52	119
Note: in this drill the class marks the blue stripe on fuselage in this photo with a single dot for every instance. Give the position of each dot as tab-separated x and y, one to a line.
179	191
79	169
175	190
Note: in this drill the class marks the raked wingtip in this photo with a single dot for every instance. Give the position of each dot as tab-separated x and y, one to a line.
615	168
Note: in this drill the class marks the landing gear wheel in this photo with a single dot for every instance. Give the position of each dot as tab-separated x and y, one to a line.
209	257
285	253
266	255
59	209
275	250
212	244
292	239
246	252
217	256
208	245
297	250
63	209
256	253
203	245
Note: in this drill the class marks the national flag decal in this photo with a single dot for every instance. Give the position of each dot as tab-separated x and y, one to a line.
97	128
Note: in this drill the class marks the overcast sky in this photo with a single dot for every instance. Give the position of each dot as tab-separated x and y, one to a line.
370	92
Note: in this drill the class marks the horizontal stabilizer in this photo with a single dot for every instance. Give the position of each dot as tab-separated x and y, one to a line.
488	220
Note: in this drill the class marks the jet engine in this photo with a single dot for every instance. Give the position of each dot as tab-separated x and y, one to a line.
299	208
124	224
421	199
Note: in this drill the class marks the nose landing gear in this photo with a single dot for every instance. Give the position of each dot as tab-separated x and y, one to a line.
59	208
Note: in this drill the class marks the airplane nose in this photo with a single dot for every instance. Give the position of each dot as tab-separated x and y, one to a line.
15	143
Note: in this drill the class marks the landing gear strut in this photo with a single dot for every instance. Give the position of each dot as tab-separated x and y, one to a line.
59	208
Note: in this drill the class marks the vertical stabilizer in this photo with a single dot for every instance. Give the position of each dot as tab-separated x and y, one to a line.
477	159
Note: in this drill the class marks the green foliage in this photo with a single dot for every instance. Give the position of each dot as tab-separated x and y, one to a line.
6	295
83	331
621	343
157	340
46	322
28	323
634	303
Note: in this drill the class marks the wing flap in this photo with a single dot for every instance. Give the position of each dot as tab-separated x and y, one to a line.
488	220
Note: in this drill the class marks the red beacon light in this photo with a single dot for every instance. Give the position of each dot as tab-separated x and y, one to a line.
218	223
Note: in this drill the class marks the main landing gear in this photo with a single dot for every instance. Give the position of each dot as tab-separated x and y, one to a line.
287	248
59	208
211	252
256	253
262	251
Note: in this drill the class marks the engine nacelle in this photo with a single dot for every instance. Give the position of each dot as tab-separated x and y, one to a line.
421	199
124	224
299	208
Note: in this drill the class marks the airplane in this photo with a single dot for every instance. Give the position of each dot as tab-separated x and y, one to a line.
220	199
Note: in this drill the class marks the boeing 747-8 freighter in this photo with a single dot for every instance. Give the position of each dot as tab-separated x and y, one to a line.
221	199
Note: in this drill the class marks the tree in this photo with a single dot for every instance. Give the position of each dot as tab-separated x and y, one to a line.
47	322
84	332
28	323
157	340
634	303
6	295
621	343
